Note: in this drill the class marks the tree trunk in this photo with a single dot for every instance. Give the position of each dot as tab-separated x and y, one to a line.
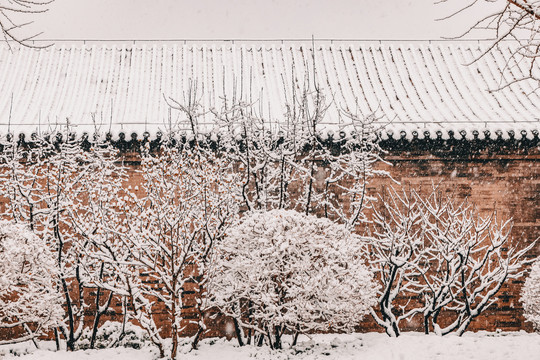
260	341
295	338
238	332
426	323
277	337
197	338
56	339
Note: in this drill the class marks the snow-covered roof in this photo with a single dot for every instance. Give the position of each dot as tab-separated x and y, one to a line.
410	87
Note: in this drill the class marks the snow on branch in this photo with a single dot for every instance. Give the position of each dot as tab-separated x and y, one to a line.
160	236
29	299
442	251
399	256
283	271
55	189
296	163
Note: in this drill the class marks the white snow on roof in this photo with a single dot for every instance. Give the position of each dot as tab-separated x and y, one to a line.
420	87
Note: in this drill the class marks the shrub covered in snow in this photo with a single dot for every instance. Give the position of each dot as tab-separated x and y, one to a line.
284	271
29	301
115	334
530	296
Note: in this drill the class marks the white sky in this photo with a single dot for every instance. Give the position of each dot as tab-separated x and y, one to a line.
251	19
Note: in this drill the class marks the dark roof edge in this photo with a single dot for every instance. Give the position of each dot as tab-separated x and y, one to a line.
390	135
461	146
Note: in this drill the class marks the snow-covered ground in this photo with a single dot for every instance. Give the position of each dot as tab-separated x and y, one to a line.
372	346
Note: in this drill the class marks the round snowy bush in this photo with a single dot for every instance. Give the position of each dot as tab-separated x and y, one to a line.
29	301
115	334
530	295
283	271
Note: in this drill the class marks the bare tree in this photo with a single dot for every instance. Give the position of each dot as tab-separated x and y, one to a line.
11	27
516	20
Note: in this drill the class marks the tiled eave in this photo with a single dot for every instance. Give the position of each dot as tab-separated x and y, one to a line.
460	146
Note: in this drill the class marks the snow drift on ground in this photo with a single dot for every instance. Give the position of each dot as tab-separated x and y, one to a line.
372	346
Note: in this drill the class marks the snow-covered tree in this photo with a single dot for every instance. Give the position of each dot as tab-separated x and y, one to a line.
530	295
399	257
54	183
30	303
473	257
163	233
283	271
297	164
442	252
300	163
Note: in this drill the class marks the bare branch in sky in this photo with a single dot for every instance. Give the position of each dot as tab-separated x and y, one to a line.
10	27
517	20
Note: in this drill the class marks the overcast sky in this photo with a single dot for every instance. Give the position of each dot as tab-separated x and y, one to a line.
250	19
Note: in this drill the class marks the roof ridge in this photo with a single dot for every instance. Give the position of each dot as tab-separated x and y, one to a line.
306	43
